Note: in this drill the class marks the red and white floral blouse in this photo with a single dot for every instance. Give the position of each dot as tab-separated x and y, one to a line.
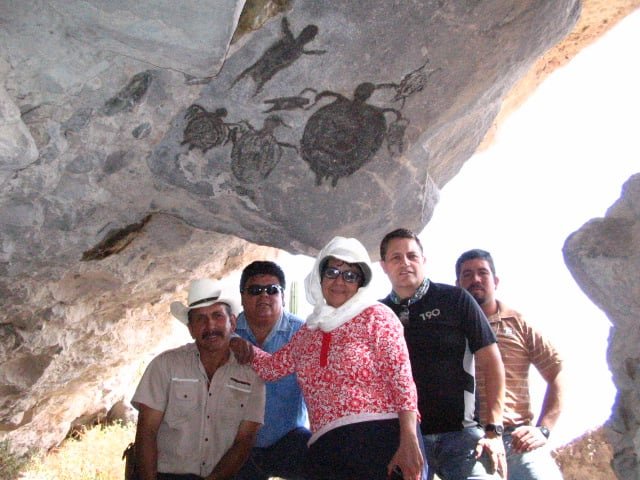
359	371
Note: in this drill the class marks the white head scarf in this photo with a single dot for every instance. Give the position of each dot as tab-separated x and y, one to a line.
324	316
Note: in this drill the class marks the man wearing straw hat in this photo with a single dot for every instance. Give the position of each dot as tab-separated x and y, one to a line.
199	410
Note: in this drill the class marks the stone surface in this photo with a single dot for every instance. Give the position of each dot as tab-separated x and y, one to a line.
604	258
76	354
17	148
140	148
113	125
588	456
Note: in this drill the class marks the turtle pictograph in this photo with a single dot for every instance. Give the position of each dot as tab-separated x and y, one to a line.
342	136
205	129
255	153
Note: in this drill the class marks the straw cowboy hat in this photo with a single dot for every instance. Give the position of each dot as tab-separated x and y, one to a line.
202	293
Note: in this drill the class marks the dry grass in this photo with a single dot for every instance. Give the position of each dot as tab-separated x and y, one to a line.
91	454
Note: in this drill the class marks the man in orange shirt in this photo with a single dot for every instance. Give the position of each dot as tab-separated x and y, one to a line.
520	346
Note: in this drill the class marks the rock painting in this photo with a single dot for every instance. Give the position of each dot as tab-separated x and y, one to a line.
395	136
413	82
342	136
290	103
205	129
338	137
256	152
130	95
280	55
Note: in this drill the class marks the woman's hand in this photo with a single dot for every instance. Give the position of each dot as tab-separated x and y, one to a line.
408	457
242	349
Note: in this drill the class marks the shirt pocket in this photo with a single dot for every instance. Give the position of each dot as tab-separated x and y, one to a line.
184	396
235	402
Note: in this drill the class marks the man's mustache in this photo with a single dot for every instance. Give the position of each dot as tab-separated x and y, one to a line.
212	333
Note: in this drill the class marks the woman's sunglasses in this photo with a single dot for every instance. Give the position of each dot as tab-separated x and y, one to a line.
347	275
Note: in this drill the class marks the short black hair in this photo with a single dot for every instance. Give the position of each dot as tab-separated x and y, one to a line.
398	233
472	255
262	267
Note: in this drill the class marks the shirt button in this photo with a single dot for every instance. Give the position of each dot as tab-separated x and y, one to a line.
206	439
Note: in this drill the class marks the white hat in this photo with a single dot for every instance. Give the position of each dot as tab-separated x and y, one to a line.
202	293
348	250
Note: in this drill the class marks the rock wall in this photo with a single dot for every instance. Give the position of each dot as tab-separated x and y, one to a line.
604	258
70	358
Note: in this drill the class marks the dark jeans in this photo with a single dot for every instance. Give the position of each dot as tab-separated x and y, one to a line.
178	476
359	451
283	459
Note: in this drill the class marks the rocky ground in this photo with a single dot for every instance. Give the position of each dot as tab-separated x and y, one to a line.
588	456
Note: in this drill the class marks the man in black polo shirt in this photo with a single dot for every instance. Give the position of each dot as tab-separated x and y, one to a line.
446	332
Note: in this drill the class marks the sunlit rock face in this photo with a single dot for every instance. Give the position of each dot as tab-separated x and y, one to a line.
140	148
604	258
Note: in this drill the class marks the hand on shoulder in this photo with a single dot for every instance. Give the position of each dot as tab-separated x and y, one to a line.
242	349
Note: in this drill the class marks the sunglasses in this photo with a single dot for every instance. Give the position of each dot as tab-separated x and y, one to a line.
347	275
256	290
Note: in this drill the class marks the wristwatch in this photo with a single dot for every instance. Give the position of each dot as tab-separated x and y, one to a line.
495	428
545	431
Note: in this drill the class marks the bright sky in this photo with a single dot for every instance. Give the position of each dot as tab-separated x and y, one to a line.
557	162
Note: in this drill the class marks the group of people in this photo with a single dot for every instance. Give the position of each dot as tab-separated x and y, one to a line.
431	380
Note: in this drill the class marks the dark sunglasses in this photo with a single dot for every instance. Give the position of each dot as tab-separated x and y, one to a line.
347	275
256	290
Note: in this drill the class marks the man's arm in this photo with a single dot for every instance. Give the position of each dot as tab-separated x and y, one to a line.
553	401
489	360
146	441
238	453
526	439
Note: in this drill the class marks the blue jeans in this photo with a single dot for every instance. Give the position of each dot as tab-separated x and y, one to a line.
451	455
283	459
535	465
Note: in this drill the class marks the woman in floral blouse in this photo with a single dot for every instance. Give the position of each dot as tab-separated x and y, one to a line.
352	364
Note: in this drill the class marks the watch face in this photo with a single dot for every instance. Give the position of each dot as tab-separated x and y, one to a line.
545	431
492	427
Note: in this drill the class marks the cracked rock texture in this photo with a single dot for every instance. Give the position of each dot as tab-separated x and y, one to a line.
604	258
143	144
